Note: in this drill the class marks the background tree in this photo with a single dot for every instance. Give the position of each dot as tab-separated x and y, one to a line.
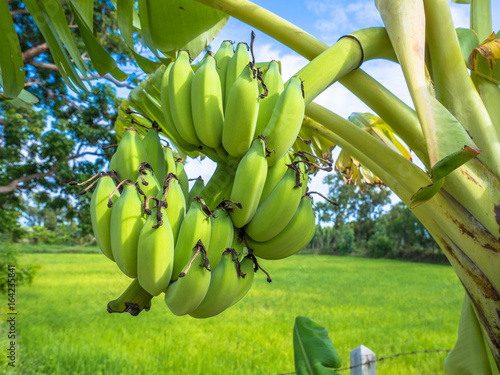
359	207
63	137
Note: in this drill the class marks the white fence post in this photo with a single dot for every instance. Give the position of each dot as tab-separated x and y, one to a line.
362	355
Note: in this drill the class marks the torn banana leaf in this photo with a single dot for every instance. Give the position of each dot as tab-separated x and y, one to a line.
381	130
484	60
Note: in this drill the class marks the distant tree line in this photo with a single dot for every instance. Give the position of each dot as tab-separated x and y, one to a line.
365	223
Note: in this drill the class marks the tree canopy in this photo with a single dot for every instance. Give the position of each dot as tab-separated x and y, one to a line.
64	136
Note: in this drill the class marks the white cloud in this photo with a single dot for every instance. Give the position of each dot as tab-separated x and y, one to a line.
335	18
460	14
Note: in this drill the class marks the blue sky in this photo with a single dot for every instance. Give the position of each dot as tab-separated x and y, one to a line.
327	20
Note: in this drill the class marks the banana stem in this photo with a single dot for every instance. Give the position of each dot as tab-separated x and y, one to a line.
74	183
480	18
342	58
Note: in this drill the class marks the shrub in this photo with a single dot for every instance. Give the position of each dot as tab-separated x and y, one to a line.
24	273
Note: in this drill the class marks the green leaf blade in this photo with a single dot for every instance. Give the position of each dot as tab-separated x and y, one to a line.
101	59
314	352
11	57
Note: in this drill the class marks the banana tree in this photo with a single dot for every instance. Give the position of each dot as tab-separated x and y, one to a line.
454	130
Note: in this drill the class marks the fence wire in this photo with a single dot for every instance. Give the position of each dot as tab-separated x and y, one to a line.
384	358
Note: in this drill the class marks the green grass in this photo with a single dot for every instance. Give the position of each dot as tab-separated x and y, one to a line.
388	306
44	248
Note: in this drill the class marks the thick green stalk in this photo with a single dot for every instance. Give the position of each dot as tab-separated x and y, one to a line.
490	95
405	24
342	58
338	60
454	87
478	190
480	18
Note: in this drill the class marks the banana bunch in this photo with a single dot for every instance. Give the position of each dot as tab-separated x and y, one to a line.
199	246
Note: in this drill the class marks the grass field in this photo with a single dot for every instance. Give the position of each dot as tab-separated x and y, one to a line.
43	248
389	306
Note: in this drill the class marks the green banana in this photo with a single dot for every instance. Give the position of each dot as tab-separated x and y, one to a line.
183	179
235	66
127	220
154	149
147	183
176	203
100	213
222	231
133	300
286	120
248	269
153	82
294	237
222	57
179	94
170	164
223	289
274	85
194	227
197	187
206	103
185	294
241	114
273	215
155	251
128	156
249	182
274	175
167	113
